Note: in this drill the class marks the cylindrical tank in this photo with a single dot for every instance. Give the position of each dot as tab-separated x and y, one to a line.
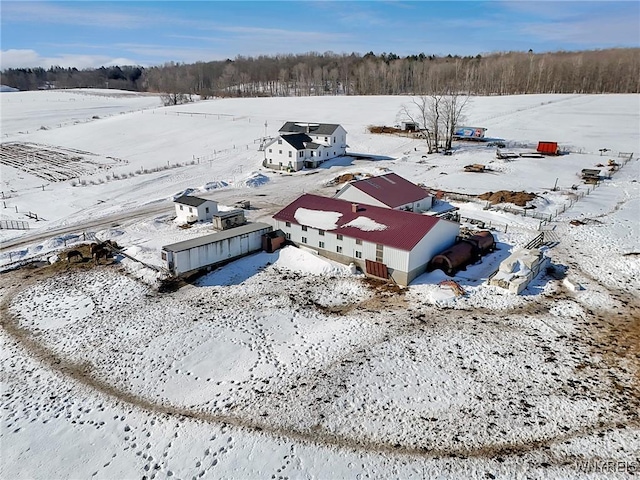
484	241
452	259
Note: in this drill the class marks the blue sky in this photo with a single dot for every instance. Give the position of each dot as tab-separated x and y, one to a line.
90	34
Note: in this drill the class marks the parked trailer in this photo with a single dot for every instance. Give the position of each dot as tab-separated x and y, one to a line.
211	250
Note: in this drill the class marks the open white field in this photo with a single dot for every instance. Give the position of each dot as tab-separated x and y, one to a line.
285	365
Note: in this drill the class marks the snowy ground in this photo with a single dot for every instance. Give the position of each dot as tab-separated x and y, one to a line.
286	365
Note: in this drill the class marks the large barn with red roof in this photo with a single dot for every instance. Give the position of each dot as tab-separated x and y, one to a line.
389	191
383	242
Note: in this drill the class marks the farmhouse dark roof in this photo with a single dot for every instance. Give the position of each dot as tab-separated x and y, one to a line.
191	201
404	229
312	128
391	189
297	140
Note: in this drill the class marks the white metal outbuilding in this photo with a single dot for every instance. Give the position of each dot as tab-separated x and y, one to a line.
211	250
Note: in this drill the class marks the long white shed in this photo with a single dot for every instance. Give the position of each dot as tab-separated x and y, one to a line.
211	250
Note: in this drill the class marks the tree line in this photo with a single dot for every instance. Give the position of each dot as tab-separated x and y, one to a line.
594	71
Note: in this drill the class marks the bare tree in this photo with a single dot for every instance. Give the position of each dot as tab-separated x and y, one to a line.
453	107
437	116
425	111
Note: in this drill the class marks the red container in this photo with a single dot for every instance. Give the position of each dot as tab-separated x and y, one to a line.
548	148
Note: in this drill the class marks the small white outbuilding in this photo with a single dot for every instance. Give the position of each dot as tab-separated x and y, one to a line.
194	209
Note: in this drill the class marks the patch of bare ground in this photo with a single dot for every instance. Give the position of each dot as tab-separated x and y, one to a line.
506	196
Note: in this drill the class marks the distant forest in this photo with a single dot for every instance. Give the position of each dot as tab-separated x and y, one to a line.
597	71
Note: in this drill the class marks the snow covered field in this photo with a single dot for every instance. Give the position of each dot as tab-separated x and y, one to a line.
286	365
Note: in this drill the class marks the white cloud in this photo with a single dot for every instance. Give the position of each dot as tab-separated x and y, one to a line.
32	59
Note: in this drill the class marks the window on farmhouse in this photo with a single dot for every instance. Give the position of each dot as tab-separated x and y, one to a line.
379	248
339	249
358	241
312	154
287	236
304	239
206	210
181	207
164	256
301	153
190	210
339	237
269	150
321	232
326	139
288	224
304	228
358	254
290	154
279	141
321	244
280	152
334	139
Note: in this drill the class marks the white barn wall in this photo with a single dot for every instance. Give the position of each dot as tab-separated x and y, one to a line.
392	257
441	236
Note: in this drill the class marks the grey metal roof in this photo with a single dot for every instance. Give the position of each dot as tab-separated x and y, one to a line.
191	201
297	140
311	128
216	237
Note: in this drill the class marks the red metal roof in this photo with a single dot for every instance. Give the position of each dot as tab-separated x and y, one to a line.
404	229
391	189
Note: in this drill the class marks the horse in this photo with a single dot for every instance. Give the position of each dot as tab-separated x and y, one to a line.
93	247
74	254
101	252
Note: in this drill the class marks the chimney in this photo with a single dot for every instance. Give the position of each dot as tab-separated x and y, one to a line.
354	207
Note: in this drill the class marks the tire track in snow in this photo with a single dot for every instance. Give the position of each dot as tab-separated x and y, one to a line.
81	372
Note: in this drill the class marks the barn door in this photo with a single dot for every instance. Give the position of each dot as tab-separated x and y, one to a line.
377	269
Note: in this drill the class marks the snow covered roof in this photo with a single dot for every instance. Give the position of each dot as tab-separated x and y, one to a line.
191	201
217	237
390	189
393	228
306	127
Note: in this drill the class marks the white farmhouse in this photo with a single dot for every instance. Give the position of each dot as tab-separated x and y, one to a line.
194	209
383	242
305	145
388	191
